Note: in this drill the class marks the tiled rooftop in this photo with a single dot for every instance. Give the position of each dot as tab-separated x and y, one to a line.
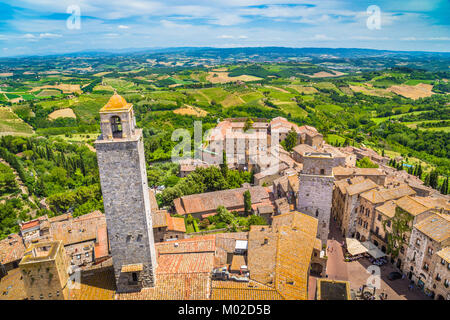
252	290
186	286
411	205
280	256
79	229
435	226
209	201
185	263
11	249
190	245
378	196
444	254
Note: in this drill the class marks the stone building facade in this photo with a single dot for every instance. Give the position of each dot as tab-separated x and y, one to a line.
346	202
440	282
123	178
315	190
428	237
44	269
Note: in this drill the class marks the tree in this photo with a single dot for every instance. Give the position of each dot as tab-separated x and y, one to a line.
7	180
291	140
256	220
247	202
224	165
366	163
248	124
433	179
223	215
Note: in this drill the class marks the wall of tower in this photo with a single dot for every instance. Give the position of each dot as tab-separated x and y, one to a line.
315	199
126	201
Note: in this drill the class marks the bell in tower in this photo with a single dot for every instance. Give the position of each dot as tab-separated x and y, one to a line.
117	119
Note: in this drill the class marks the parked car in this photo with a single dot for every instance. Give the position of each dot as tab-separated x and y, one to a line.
394	275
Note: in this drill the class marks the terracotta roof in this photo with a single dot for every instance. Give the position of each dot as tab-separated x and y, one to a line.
175	223
280	256
252	290
132	267
444	254
410	205
294	250
159	218
185	263
29	224
303	148
363	186
190	245
282	205
101	247
342	185
206	202
345	171
11	249
185	286
294	182
435	227
153	203
388	208
237	262
379	196
437	203
79	229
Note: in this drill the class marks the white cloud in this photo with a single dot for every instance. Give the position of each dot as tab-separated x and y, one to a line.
49	35
123	27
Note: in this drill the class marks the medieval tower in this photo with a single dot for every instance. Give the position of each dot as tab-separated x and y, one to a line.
123	178
316	189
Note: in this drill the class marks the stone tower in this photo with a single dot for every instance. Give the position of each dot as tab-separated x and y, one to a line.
44	267
123	178
316	190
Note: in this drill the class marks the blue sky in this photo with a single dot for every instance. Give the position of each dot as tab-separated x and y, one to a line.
40	26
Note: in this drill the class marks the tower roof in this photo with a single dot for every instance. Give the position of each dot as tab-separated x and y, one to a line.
115	103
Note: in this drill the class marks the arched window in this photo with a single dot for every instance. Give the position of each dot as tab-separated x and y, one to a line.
116	127
322	171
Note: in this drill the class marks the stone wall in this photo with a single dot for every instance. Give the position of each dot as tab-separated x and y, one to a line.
315	199
126	201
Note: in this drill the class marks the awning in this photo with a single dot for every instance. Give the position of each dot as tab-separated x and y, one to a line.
241	245
373	250
132	267
354	247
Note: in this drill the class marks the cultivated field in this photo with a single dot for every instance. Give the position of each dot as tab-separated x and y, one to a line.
420	90
62	113
222	77
11	124
191	111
